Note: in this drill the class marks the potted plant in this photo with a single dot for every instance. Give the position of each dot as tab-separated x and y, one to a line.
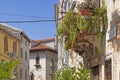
86	7
73	73
75	27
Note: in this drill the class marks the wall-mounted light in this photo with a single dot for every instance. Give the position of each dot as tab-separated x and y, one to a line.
38	66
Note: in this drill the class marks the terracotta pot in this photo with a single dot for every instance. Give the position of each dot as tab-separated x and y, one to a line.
85	12
80	37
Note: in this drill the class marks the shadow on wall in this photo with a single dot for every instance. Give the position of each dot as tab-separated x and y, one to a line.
115	27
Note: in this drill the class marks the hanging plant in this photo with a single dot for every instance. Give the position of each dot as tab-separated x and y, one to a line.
67	31
75	25
86	7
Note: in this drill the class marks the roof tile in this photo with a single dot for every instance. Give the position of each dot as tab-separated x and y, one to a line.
44	40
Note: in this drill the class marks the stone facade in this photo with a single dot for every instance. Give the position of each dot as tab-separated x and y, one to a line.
24	57
13	44
9	47
5	55
43	55
106	64
39	74
64	57
16	39
51	65
112	48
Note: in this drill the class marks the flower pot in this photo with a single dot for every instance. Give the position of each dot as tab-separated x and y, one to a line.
85	12
80	37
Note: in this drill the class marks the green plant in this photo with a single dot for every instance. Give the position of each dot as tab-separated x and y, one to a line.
87	5
67	30
73	24
71	73
6	69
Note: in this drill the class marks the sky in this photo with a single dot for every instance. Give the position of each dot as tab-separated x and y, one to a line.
30	10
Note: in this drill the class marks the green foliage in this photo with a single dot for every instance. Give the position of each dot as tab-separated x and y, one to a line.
71	73
6	69
76	23
83	74
87	5
67	29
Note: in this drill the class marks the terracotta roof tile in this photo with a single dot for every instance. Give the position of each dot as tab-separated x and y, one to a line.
44	40
42	47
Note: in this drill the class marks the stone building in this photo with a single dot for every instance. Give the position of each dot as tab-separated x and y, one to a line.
105	66
12	40
64	57
112	47
43	59
24	57
9	48
9	44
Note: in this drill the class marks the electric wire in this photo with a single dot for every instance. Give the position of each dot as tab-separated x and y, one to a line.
28	21
33	21
4	13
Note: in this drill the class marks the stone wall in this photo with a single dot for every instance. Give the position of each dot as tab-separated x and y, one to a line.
51	65
39	74
113	37
11	39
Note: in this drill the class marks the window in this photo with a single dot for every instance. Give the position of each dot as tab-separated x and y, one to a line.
64	5
5	44
25	55
26	43
21	73
25	74
98	3
21	53
15	47
108	70
95	72
37	60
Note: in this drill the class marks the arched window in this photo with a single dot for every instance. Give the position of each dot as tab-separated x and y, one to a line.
37	60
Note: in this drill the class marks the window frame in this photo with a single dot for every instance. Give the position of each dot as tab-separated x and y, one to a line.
5	44
26	56
15	47
37	59
26	74
21	70
21	52
108	70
